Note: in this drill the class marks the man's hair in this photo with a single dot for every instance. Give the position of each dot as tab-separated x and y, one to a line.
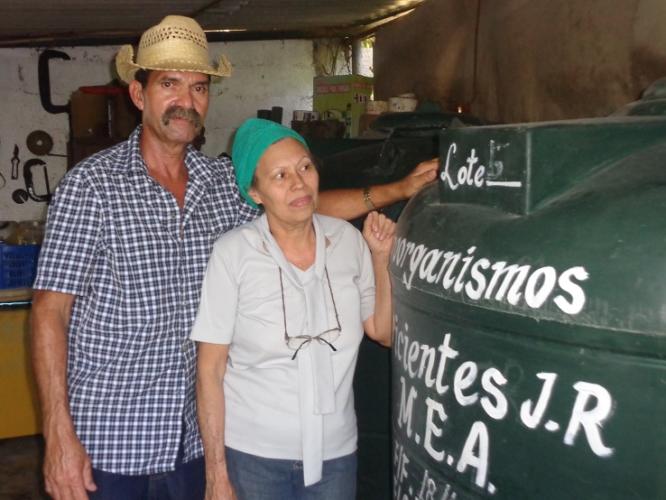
142	75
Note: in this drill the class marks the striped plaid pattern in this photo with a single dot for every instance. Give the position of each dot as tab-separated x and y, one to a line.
119	242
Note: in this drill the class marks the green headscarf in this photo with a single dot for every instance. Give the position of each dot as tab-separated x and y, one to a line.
253	138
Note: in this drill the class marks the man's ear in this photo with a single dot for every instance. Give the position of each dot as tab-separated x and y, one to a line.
254	194
136	94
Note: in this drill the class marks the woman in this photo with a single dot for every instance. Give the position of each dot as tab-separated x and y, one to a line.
283	308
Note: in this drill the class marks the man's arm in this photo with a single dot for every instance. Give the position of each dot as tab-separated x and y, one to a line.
211	367
67	467
350	203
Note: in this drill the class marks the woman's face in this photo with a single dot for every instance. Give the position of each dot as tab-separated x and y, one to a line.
286	182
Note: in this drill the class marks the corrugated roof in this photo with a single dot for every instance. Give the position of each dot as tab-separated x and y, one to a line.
65	22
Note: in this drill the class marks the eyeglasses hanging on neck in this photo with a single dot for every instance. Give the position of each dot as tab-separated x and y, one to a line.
327	337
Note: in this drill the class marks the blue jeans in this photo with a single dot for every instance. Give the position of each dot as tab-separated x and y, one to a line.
257	478
186	482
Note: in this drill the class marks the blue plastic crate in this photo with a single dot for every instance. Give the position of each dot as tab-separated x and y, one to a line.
18	265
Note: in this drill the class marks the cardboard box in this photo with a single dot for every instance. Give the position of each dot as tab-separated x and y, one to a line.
365	122
342	95
124	116
102	111
89	115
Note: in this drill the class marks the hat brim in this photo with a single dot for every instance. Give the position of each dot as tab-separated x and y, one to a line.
126	67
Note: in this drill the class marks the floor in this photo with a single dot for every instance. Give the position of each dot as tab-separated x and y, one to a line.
20	469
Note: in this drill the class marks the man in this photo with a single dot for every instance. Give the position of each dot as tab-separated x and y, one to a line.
129	233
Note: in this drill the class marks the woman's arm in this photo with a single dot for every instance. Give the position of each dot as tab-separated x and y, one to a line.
211	367
379	326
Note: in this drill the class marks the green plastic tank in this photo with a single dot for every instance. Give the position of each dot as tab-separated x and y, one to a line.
529	357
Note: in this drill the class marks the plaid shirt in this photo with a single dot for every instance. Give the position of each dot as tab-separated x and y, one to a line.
119	242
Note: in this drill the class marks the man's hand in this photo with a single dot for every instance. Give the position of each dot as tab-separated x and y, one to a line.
220	489
351	203
424	173
67	468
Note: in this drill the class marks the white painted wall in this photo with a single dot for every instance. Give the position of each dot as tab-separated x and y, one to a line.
266	74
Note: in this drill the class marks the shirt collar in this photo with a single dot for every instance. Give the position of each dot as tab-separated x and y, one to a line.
271	246
198	164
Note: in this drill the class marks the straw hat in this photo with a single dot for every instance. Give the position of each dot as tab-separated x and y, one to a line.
177	43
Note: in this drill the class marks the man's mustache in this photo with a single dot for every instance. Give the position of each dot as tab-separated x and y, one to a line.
189	114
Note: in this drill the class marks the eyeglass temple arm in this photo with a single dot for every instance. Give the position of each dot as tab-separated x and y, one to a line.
284	309
330	289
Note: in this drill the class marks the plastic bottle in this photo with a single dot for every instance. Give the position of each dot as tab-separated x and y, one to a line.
348	121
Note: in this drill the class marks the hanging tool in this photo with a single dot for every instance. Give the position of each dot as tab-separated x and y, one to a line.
20	196
40	143
3	181
44	80
29	183
15	162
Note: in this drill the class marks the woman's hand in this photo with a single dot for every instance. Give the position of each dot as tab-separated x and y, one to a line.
379	233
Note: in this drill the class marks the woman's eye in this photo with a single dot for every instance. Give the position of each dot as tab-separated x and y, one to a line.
279	175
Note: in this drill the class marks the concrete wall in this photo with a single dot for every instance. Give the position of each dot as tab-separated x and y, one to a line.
270	73
536	59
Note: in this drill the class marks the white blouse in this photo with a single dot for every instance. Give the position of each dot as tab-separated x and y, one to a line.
276	406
